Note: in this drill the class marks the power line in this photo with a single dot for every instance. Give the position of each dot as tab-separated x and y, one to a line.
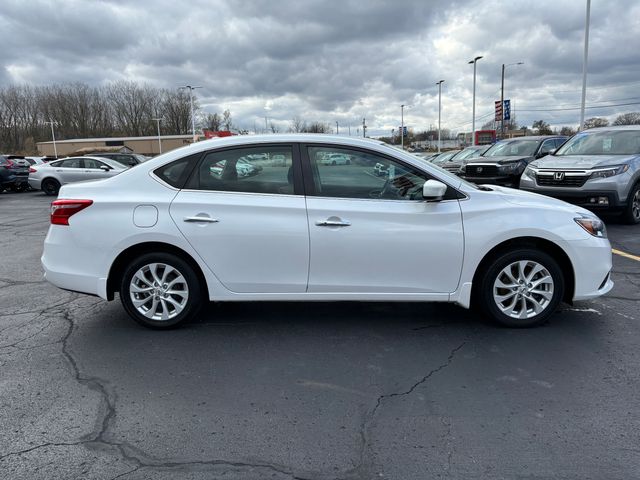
576	108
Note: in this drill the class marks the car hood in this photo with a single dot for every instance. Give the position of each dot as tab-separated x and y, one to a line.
530	199
498	160
581	161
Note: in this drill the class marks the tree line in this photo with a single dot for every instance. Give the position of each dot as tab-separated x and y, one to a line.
77	110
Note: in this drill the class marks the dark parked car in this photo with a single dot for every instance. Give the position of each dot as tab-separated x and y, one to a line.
462	157
14	173
504	162
126	159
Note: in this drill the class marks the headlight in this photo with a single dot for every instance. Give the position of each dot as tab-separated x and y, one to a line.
510	167
594	226
610	171
529	173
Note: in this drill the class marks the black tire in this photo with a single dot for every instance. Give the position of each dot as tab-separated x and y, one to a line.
21	187
486	281
631	214
50	186
193	287
348	162
334	163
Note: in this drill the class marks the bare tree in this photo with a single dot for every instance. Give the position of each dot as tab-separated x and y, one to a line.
631	118
297	125
318	127
595	122
213	122
226	120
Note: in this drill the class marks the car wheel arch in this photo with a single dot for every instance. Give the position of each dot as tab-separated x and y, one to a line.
129	254
547	246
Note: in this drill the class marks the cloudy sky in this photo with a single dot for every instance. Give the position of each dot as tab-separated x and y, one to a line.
341	60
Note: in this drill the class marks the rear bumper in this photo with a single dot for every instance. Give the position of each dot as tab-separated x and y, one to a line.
35	183
69	265
11	180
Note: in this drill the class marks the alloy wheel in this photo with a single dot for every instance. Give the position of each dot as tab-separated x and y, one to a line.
159	291
523	289
635	205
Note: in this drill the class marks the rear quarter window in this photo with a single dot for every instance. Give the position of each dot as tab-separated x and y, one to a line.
177	172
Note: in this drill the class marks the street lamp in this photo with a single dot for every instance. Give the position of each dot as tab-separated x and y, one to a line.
584	64
402	125
473	122
439	109
193	120
53	135
337	128
158	120
502	94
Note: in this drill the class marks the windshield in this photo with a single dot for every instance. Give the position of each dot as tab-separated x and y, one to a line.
513	148
448	176
469	153
444	157
611	142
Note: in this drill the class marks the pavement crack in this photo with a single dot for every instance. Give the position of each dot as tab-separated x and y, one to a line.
129	453
358	472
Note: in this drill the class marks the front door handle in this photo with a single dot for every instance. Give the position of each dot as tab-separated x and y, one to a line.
330	222
201	219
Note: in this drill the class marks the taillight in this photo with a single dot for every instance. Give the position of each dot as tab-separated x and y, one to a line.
32	170
61	210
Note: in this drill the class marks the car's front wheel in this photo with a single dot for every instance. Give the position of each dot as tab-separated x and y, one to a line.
160	290
632	211
520	288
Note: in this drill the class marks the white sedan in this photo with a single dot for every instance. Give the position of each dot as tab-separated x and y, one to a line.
170	234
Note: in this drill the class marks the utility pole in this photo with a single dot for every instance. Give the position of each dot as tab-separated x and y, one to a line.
193	120
364	128
337	128
53	135
158	120
584	65
439	109
502	95
402	126
473	121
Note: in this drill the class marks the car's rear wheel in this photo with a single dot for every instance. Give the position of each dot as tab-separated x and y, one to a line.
520	288
631	213
160	290
50	186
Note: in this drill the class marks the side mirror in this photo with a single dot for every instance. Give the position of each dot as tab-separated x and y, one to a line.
433	190
105	168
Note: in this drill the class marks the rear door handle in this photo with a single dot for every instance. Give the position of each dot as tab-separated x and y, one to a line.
201	219
333	223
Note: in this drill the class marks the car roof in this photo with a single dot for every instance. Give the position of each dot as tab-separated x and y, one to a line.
612	128
108	161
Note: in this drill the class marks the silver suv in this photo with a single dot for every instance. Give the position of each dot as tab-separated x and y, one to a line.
597	169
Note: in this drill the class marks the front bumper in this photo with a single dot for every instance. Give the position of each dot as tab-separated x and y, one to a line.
502	180
582	198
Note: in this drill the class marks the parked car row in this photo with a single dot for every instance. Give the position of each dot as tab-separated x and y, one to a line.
598	168
48	174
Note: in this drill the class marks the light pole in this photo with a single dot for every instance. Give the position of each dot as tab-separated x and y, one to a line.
158	120
584	64
53	135
402	125
502	95
439	109
193	120
473	121
337	128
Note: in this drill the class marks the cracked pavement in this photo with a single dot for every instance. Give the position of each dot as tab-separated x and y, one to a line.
309	391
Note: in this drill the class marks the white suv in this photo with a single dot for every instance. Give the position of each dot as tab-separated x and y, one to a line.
172	233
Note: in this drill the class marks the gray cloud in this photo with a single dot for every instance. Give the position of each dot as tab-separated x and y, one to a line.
330	60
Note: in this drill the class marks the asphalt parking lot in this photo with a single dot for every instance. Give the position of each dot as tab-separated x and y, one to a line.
310	391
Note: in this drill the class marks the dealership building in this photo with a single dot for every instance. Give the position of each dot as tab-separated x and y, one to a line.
149	146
